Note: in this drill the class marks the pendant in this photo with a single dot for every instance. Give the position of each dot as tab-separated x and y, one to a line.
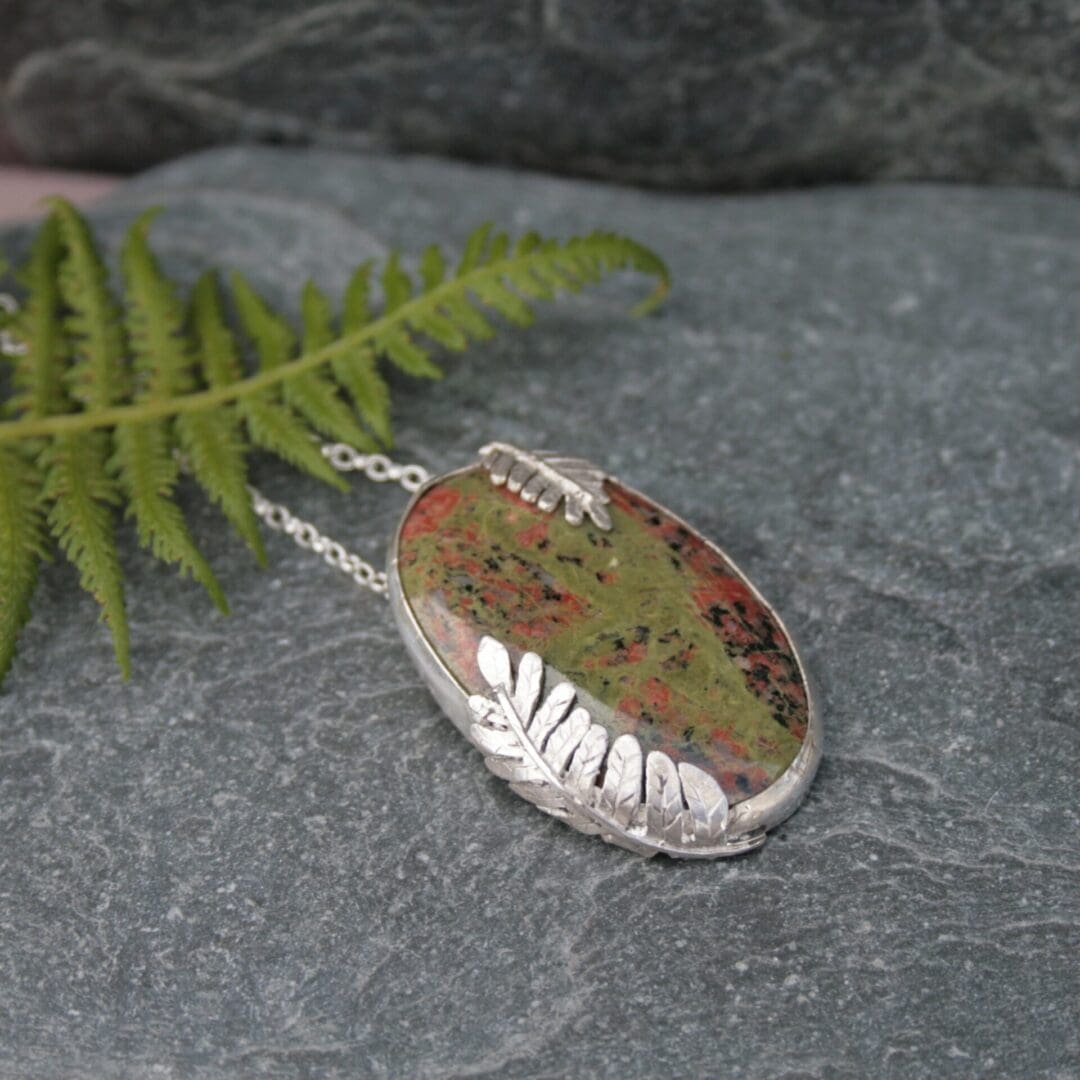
609	662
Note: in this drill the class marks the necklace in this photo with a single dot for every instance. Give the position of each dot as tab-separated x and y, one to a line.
610	663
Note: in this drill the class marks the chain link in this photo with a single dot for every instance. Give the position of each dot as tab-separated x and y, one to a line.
341	456
344	458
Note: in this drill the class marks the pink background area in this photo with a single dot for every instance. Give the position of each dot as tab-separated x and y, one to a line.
21	189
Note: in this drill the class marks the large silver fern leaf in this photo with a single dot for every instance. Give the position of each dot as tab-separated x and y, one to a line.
548	479
552	753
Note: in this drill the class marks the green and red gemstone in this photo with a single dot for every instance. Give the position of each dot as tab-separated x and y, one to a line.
663	638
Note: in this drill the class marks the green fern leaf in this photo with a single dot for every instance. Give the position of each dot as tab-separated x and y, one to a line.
442	329
468	318
218	355
273	337
403	351
472	255
507	303
143	458
80	493
22	547
310	395
356	305
432	267
77	488
318	333
397	286
148	473
214	451
273	427
212	440
39	370
358	369
497	248
98	375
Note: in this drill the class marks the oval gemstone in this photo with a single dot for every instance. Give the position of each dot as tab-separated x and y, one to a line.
663	638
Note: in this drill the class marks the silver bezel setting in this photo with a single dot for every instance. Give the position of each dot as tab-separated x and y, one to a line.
747	821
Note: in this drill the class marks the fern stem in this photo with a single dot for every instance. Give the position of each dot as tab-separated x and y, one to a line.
202	400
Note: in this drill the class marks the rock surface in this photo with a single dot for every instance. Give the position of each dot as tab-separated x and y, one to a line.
269	854
701	94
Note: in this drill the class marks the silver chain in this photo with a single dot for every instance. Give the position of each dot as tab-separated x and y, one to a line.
344	458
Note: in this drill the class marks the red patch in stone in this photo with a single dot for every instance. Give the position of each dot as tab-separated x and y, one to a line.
430	511
533	535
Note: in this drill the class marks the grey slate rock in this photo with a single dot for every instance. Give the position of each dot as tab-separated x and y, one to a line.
270	855
700	94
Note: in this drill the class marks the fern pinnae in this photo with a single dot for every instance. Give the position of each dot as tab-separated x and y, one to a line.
217	353
319	400
97	377
148	475
81	494
22	546
271	421
492	292
212	441
406	354
396	284
356	303
38	371
142	456
432	267
497	248
311	396
77	489
358	370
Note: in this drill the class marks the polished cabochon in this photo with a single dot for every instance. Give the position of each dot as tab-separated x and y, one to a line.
611	663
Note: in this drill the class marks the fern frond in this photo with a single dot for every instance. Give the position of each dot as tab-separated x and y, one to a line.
212	441
22	547
80	494
472	255
143	457
38	372
109	395
578	259
97	376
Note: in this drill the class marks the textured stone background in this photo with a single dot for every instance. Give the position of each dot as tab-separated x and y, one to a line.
698	94
270	855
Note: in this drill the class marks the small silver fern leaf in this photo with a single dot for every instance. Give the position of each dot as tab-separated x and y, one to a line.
552	753
548	479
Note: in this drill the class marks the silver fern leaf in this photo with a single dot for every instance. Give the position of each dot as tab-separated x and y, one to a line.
552	753
548	479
